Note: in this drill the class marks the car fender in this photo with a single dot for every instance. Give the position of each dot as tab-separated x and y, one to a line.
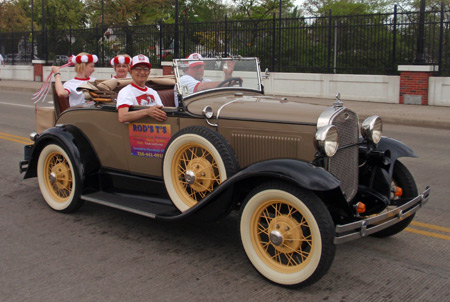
394	150
76	145
299	173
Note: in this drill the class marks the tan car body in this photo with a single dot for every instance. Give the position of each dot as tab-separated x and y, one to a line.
243	123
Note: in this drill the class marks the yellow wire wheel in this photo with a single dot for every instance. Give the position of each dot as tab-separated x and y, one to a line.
56	177
196	161
282	236
195	173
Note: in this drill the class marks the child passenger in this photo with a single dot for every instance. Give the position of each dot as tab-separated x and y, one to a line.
84	67
121	65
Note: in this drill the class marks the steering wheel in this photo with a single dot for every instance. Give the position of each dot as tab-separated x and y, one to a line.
231	82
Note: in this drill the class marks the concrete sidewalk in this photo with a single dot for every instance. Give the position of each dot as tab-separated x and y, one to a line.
411	115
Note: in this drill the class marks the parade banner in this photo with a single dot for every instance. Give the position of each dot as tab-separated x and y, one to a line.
148	140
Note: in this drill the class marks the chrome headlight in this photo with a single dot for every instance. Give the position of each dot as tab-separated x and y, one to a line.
372	128
327	140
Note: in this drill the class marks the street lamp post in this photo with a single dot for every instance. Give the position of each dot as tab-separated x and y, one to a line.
32	31
420	51
44	44
175	46
103	36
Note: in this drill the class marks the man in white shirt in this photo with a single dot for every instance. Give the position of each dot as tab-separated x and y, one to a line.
137	94
193	79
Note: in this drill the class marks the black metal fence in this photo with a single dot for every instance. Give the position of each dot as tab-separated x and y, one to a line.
365	44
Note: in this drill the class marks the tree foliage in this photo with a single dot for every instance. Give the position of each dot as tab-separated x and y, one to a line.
261	9
13	17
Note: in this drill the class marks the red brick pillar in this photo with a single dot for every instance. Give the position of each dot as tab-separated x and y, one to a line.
414	81
167	68
38	70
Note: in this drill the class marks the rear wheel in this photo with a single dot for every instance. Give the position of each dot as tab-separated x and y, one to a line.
287	234
58	180
403	179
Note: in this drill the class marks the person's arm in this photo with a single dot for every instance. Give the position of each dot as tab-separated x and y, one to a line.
228	69
125	115
59	88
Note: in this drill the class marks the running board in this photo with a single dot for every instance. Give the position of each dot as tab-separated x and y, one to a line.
149	207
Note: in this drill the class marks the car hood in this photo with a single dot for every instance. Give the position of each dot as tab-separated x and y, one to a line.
259	108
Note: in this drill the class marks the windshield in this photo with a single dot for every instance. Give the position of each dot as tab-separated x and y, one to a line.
196	74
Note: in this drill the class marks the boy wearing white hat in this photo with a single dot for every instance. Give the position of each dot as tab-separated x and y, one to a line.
137	94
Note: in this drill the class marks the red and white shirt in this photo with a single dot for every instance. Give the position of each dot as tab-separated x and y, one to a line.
133	95
190	83
76	97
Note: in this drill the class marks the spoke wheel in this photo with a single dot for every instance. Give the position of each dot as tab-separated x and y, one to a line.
57	179
287	234
196	161
196	172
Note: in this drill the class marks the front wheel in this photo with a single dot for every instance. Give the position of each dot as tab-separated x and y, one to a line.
196	161
287	234
403	179
58	180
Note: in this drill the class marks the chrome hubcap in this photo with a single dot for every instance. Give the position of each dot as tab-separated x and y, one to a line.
52	177
190	177
276	238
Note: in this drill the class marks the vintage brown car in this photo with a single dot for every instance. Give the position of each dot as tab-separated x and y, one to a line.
303	179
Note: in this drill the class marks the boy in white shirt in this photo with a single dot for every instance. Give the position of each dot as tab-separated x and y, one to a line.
137	94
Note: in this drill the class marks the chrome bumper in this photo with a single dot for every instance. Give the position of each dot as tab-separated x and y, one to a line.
366	227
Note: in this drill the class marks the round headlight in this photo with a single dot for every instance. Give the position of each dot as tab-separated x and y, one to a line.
327	140
372	128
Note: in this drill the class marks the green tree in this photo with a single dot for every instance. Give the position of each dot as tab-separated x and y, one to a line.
130	12
261	9
13	17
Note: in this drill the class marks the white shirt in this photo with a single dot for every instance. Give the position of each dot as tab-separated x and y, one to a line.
76	97
190	83
1	59
133	95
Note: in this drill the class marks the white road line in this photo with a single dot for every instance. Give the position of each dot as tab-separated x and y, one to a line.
19	105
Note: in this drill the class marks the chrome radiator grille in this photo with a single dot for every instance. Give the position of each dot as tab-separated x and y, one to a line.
344	164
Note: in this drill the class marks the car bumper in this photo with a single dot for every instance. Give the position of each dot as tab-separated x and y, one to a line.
23	165
369	226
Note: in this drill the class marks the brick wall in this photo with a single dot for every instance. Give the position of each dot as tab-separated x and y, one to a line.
414	84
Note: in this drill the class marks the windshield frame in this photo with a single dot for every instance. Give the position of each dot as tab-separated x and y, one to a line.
178	72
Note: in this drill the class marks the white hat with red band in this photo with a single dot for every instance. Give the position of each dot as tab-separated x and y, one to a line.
84	59
196	57
140	59
120	60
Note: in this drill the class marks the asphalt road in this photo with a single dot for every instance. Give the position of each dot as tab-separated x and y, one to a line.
103	254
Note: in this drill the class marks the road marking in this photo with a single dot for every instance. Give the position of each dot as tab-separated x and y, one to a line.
25	141
18	105
428	234
15	138
430	226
